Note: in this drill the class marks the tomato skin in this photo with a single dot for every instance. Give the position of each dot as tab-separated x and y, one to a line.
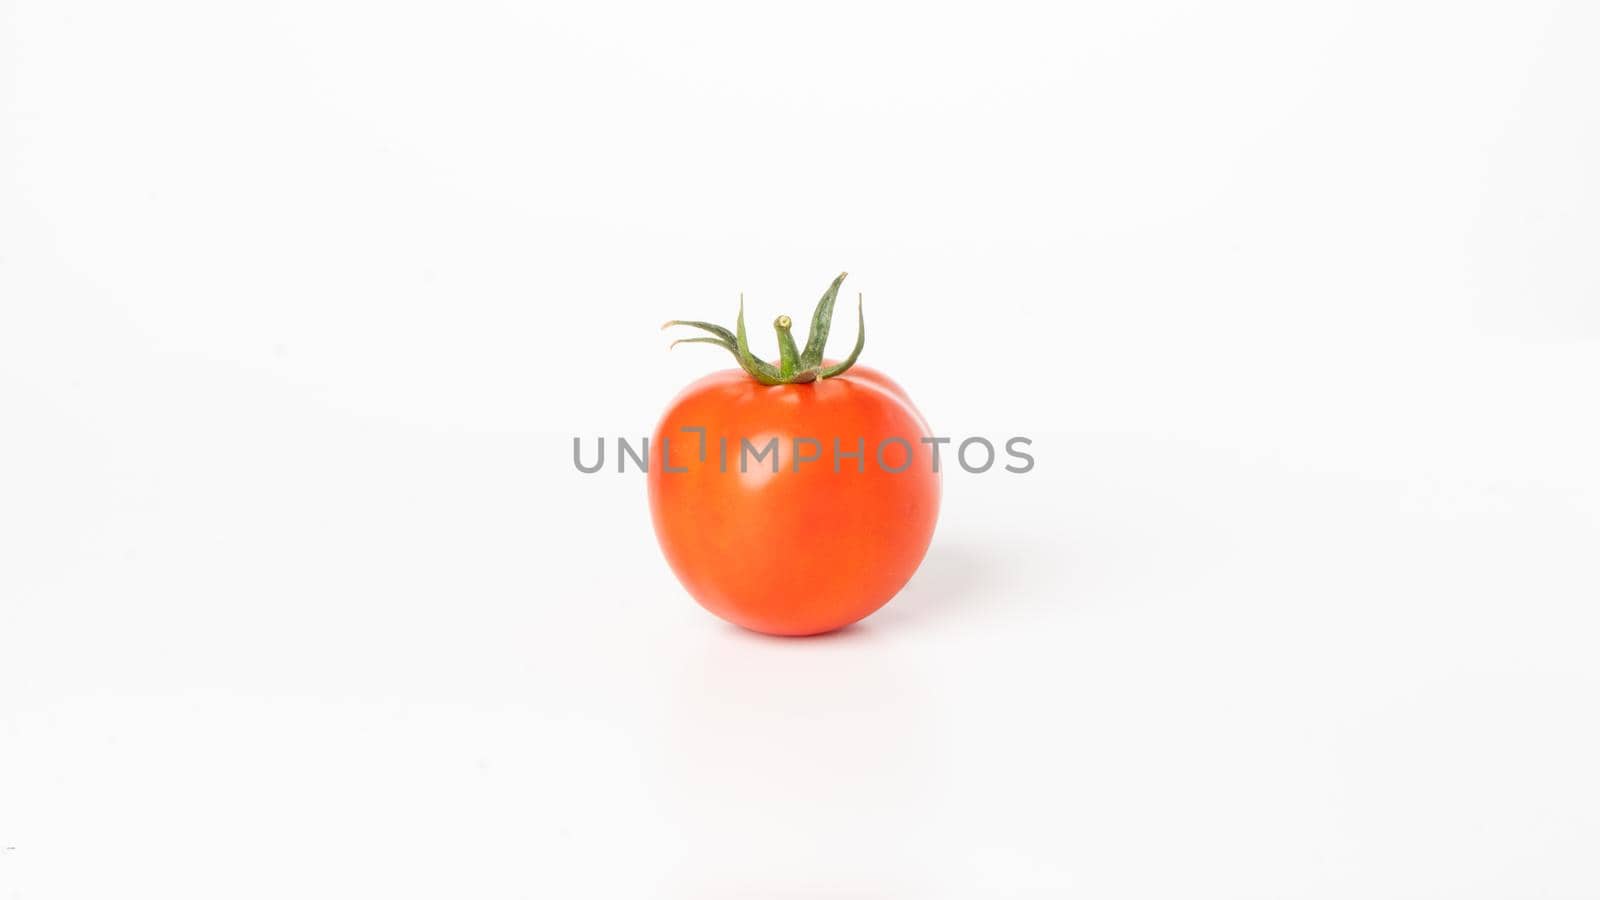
793	552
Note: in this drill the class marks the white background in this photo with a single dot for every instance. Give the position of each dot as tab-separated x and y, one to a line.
302	303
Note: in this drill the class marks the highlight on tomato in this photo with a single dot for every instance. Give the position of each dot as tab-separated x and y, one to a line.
792	497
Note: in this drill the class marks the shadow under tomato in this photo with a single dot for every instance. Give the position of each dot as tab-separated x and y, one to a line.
853	633
962	577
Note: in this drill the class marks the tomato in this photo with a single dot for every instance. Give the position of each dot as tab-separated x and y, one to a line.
824	540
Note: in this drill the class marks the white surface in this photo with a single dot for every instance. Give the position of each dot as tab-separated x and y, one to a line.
301	305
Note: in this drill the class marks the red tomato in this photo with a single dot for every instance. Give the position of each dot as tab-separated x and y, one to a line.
806	549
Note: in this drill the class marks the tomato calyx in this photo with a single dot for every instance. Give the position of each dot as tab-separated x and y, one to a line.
795	366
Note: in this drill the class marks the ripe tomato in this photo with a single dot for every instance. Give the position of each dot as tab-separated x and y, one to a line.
825	539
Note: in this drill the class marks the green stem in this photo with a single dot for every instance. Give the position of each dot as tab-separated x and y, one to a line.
717	330
760	370
708	340
821	321
788	353
794	365
855	354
